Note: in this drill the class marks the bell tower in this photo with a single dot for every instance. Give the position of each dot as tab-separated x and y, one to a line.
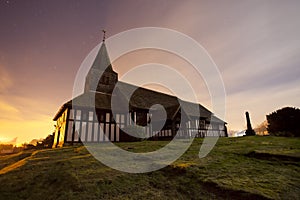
101	71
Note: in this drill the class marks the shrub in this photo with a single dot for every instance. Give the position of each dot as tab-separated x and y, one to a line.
284	122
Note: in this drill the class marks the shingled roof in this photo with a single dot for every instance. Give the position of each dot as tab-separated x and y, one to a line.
141	98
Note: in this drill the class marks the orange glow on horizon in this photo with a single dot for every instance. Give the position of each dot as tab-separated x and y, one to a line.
25	130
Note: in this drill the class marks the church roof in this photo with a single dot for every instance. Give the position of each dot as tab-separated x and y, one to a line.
141	99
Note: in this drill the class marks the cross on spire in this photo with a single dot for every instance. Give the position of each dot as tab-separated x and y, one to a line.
104	31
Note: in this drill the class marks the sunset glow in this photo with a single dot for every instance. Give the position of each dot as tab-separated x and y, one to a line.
255	45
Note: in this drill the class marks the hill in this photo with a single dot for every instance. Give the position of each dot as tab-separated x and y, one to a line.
237	168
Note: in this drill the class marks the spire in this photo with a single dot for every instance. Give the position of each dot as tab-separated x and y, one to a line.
102	61
101	76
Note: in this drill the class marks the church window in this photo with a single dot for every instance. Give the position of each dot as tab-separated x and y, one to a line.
107	117
91	115
78	114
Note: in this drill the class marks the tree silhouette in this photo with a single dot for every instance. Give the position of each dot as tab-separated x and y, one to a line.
48	141
284	122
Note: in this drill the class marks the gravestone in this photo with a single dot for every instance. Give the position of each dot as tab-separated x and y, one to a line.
249	130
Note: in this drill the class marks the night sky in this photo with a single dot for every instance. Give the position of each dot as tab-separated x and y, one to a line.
255	45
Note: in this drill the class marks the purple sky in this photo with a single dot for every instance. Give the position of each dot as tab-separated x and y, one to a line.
255	44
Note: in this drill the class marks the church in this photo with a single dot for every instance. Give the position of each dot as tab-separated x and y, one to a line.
77	122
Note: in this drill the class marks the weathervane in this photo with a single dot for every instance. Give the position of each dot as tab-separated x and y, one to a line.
104	31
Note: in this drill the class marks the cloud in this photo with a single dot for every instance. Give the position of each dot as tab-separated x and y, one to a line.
4	107
24	118
8	111
5	79
24	108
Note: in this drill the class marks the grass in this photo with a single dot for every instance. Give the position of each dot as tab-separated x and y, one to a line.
237	168
8	160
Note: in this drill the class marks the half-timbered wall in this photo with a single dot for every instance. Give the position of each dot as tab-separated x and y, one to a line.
60	129
88	126
82	125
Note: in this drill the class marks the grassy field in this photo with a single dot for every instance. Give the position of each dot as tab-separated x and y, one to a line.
237	168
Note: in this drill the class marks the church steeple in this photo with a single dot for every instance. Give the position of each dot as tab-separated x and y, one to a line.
102	61
101	67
